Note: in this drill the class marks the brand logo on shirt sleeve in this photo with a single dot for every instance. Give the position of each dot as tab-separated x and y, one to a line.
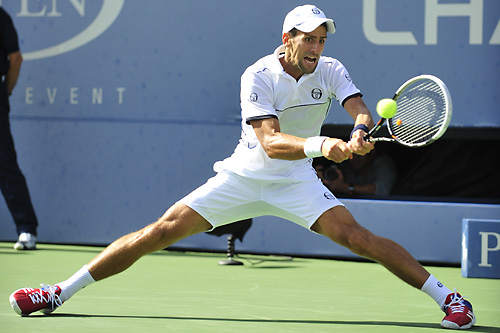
329	196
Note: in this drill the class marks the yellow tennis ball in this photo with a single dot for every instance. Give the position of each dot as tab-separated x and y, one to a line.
386	108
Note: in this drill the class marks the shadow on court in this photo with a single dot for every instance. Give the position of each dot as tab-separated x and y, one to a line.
282	321
253	320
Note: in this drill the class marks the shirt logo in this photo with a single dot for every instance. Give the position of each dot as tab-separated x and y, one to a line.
328	195
253	97
316	93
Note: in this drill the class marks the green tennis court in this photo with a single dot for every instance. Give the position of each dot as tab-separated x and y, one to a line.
189	292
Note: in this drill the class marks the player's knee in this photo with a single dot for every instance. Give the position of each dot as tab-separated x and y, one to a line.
163	233
167	231
148	239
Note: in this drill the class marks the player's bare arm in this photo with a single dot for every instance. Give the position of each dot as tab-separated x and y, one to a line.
358	110
288	147
275	143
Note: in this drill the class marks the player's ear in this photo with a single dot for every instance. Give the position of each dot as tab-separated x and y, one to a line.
285	38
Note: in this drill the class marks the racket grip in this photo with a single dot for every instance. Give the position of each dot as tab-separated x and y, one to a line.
367	138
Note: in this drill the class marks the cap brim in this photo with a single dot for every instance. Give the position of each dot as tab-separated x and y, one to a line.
312	23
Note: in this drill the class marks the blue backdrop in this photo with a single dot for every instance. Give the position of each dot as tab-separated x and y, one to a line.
123	106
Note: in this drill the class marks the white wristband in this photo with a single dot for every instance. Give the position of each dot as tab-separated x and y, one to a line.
312	146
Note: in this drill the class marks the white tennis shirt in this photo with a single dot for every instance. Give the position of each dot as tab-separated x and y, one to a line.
300	106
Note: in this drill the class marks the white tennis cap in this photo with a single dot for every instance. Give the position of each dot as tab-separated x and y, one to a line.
307	18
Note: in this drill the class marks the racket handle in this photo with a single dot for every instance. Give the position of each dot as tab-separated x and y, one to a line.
368	137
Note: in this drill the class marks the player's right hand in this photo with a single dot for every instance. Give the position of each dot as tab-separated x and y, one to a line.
336	150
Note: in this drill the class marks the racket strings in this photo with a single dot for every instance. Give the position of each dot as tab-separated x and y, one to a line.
421	113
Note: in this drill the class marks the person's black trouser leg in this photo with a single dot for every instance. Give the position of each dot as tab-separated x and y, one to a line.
12	181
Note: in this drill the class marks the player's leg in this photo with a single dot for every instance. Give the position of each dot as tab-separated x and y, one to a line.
178	222
222	199
315	207
339	225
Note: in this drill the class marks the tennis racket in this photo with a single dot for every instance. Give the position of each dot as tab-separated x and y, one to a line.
423	114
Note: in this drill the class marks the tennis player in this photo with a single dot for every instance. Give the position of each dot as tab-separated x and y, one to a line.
285	97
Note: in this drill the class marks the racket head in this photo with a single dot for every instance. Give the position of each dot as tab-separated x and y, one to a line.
424	111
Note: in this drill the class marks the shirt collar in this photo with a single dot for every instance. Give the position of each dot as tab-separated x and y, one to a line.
276	64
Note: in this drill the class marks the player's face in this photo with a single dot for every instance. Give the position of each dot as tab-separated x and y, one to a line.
303	51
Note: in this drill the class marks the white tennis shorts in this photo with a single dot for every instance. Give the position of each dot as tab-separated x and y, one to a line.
228	197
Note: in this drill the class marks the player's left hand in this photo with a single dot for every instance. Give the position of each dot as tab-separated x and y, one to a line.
358	145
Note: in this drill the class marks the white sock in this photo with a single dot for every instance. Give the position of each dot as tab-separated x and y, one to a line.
75	283
436	290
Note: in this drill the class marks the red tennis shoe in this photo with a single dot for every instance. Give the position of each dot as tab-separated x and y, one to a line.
28	300
459	315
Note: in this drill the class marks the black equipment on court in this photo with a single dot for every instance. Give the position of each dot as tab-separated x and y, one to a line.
236	230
